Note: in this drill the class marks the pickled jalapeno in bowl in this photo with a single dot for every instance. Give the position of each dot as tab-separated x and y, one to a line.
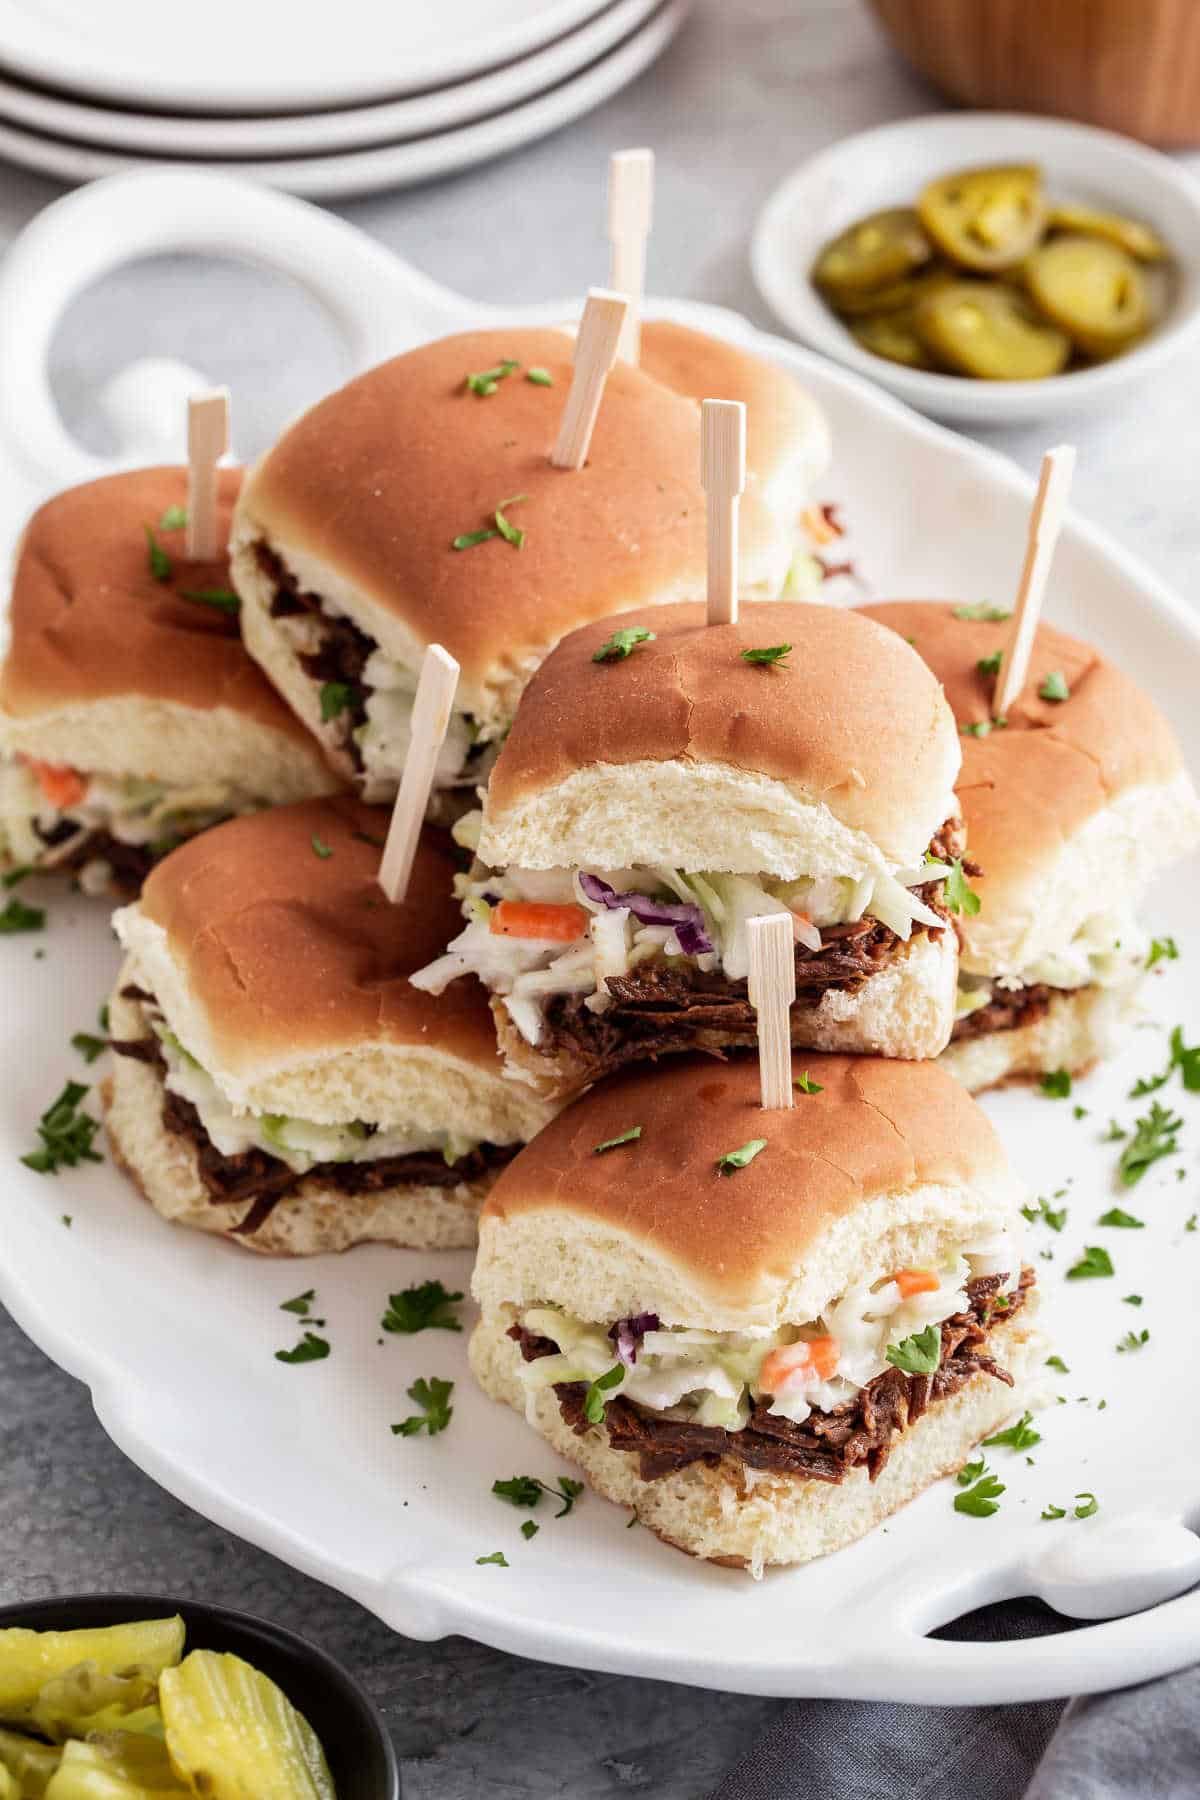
987	276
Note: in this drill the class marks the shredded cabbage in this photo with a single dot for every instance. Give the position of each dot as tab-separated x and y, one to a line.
128	808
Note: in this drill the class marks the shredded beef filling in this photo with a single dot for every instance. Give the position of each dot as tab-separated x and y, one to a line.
343	652
1006	1010
828	1443
264	1180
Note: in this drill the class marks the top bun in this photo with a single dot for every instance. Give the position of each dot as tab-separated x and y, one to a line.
363	497
1072	806
283	970
891	1165
92	628
684	754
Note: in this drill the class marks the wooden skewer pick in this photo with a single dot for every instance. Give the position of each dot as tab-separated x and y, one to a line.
630	210
1045	523
208	440
723	476
595	354
772	990
430	719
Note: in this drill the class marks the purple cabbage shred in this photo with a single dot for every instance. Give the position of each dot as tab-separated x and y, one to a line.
686	917
627	1335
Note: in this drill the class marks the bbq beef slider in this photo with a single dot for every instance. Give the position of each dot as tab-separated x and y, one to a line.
654	795
1074	807
130	715
419	504
763	1331
277	1078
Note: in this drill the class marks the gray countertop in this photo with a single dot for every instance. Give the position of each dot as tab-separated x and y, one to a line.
749	88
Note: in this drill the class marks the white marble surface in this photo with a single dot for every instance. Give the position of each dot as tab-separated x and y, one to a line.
749	88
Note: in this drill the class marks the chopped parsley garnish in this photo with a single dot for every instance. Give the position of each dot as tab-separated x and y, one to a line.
990	665
336	696
627	1137
1123	1221
593	1402
971	1472
529	1528
1132	1299
737	1159
300	1304
1114	1134
160	562
1020	1436
982	612
527	1490
1094	1261
102	1017
806	1084
960	895
1054	1512
486	381
89	1047
174	519
1054	687
66	1134
770	655
1149	1084
498	1557
1186	1060
13	877
1056	1362
67	1220
319	848
223	599
422	1308
622	643
919	1354
1155	1136
431	1396
1163	949
19	917
540	377
1054	1217
1080	1112
1056	1084
1133	1340
980	729
1090	1505
311	1348
982	1500
1191	1224
466	540
508	532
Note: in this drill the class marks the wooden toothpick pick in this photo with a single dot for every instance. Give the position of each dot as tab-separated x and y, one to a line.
630	211
772	988
208	440
1045	523
430	718
595	354
723	476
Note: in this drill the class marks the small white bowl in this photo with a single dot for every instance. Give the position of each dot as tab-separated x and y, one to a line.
889	166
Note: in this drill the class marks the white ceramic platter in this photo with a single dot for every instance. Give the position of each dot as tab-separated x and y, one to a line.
175	1335
237	58
386	165
309	134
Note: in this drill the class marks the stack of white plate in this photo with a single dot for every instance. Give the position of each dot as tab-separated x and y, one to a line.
315	97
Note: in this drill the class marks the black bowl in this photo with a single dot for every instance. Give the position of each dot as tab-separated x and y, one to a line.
353	1736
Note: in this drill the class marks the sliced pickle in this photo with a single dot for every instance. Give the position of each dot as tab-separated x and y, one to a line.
985	219
114	1767
873	254
1092	290
986	329
894	336
1129	235
29	1659
233	1734
8	1785
29	1763
88	1698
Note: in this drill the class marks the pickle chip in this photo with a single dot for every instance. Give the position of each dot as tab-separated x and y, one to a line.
88	1698
985	219
28	1659
30	1764
986	329
114	1768
231	1733
894	336
1093	291
872	254
1129	235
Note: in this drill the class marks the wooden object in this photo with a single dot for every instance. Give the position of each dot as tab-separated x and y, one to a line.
595	354
431	717
772	988
207	442
1045	523
723	476
630	212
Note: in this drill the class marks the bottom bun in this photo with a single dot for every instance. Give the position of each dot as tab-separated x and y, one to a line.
750	1519
1080	1027
307	1222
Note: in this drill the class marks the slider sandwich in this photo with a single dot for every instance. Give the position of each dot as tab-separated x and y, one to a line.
418	504
1074	806
130	715
665	781
763	1331
277	1079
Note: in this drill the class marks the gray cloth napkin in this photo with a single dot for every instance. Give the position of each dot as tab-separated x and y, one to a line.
1140	1743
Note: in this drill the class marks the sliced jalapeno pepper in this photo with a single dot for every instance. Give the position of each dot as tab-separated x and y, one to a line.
987	329
985	219
1091	290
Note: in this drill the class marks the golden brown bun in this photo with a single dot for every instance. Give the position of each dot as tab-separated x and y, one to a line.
89	622
1105	759
373	485
890	1163
285	973
853	724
